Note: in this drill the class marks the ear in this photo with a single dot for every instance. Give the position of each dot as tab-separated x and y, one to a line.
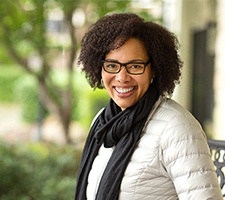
102	83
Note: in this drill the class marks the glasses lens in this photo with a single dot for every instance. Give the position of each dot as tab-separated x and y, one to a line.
111	67
136	68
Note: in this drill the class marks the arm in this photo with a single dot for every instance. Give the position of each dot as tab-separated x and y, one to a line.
187	159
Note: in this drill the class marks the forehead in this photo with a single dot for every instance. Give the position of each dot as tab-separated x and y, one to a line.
132	49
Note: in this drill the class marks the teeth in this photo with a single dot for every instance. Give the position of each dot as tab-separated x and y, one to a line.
124	90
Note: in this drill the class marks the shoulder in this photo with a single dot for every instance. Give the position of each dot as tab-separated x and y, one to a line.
171	111
180	133
172	123
174	116
185	152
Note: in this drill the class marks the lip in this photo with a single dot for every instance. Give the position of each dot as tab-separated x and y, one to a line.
124	92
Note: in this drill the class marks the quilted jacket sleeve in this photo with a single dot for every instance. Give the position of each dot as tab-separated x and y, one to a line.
186	157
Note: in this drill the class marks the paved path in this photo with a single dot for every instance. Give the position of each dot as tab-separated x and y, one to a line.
10	117
11	126
13	129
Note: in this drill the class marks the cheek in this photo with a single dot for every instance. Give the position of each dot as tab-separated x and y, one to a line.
146	79
144	85
106	78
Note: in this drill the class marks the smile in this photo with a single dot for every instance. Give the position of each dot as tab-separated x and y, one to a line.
122	90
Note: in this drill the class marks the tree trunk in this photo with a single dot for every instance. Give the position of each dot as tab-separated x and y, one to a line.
63	108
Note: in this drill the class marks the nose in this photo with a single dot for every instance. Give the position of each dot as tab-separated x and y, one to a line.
123	76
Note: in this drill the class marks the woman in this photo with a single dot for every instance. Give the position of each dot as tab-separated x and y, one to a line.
142	145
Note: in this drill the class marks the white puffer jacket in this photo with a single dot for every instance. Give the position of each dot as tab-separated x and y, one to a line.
172	160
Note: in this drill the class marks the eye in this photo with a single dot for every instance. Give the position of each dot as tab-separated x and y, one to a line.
111	65
135	66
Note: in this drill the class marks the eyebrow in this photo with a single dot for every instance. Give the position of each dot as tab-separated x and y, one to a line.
135	60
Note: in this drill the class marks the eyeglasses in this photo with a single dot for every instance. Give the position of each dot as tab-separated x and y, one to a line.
132	67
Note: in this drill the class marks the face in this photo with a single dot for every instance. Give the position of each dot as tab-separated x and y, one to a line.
124	88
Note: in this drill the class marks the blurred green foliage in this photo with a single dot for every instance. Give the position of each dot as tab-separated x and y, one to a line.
8	79
21	88
89	101
38	171
26	93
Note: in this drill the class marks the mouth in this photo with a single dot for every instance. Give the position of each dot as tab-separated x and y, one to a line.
123	90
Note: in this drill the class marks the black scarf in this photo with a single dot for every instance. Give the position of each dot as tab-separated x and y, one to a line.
121	129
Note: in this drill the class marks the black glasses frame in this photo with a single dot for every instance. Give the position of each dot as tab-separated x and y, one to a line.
125	65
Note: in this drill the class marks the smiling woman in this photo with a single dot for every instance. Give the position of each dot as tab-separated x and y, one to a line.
142	145
125	88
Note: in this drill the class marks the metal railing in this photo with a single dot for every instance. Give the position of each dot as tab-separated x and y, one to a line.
217	148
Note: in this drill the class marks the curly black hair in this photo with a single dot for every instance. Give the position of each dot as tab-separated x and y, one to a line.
112	31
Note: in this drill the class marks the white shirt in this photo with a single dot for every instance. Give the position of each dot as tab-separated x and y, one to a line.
96	173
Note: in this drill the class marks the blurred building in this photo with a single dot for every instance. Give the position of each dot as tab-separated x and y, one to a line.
200	28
